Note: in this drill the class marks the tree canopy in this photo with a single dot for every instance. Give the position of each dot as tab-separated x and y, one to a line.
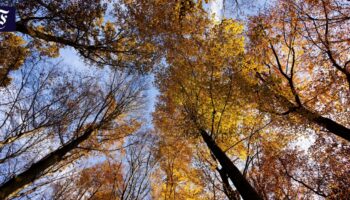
250	104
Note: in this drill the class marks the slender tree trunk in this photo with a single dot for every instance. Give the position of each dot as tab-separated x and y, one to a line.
37	169
348	78
242	185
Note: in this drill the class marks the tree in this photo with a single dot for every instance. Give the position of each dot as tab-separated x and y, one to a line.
14	53
286	69
126	179
318	171
179	178
324	27
255	112
45	27
201	96
49	117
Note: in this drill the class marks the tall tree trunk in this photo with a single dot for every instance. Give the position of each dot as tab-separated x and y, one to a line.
239	181
333	127
37	169
327	123
230	193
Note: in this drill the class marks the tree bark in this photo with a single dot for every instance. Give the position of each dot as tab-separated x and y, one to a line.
327	123
23	28
230	193
239	181
37	169
333	127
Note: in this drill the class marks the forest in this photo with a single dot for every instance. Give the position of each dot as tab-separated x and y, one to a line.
175	100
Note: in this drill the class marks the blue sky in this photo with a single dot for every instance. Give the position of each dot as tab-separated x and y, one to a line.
71	59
